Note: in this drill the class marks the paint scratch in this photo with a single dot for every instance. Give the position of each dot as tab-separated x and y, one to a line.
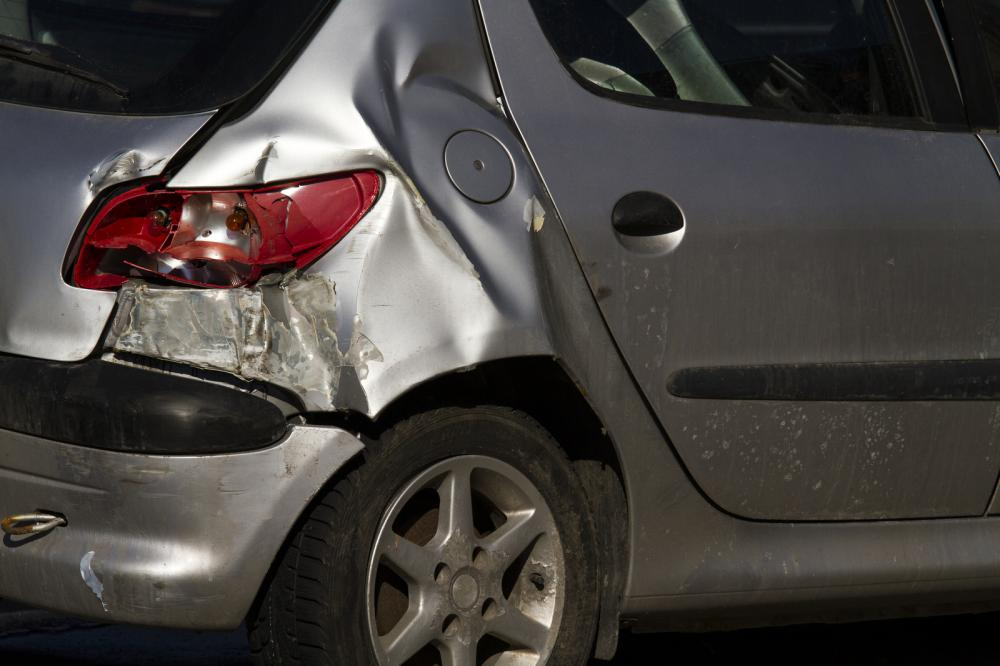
91	579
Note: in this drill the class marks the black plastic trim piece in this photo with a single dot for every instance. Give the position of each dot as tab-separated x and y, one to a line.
927	48
836	382
772	115
978	87
116	407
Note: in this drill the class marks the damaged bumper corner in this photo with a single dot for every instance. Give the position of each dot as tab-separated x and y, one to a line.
283	332
175	541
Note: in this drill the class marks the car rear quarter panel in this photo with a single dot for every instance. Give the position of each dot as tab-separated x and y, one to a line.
54	164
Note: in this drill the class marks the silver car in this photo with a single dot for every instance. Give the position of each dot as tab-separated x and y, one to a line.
464	332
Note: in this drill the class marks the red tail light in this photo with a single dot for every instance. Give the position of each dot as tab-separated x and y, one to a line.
220	238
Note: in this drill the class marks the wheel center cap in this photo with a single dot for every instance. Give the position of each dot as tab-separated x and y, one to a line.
464	591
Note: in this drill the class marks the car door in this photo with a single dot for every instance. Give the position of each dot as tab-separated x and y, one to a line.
791	232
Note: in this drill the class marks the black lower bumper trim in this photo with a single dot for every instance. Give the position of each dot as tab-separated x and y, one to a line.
120	408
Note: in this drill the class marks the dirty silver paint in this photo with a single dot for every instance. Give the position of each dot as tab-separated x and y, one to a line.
54	163
135	546
283	332
722	571
801	451
803	243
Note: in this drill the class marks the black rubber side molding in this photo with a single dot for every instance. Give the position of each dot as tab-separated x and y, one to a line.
925	380
120	408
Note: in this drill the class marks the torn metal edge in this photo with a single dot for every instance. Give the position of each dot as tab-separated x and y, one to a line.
120	167
281	331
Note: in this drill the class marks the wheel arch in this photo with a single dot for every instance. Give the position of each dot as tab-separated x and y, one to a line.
542	388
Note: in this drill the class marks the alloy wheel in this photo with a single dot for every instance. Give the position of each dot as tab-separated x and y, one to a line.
467	569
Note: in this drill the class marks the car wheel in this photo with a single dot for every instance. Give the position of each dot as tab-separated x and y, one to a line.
463	538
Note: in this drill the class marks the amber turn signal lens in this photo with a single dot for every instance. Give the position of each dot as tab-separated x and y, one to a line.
237	220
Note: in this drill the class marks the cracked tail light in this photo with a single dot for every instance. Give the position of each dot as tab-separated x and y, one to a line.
220	238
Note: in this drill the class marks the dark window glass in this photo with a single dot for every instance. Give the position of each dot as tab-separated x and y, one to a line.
988	12
835	57
143	56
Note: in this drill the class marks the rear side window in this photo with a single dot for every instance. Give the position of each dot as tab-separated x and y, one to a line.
831	57
988	13
143	56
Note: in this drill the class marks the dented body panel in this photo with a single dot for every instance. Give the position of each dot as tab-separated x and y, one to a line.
283	333
427	283
180	541
54	164
431	282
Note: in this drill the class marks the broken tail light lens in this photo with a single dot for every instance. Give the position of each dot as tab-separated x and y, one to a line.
220	238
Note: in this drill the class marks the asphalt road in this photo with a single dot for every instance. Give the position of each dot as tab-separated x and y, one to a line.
43	640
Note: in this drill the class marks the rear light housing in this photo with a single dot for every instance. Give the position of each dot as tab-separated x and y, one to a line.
220	238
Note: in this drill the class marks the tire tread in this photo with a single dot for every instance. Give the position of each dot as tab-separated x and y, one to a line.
290	624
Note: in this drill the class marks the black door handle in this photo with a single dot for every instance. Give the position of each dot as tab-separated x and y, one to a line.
646	214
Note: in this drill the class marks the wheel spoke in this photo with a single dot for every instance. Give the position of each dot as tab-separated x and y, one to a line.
456	504
456	653
460	586
408	559
517	629
414	630
515	536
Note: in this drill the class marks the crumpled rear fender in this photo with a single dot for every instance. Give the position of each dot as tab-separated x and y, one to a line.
428	282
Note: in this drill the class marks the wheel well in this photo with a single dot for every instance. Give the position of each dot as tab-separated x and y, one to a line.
536	386
541	388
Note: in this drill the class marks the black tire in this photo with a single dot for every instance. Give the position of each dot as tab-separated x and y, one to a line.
314	611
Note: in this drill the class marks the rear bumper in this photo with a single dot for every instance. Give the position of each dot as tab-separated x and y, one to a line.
122	408
175	541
